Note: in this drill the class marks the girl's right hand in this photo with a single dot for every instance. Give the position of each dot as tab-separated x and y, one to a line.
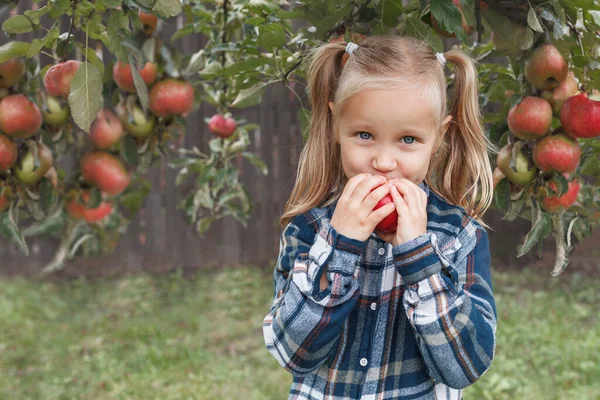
354	216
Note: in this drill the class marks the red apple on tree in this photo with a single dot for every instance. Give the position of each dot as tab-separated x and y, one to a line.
11	72
8	153
171	97
546	68
580	116
19	116
105	171
106	130
530	119
57	80
522	172
78	208
222	126
124	78
149	21
559	153
55	112
30	170
556	204
135	122
565	90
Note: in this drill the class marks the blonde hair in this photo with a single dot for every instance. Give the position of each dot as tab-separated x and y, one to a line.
460	172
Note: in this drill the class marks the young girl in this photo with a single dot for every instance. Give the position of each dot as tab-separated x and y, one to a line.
359	314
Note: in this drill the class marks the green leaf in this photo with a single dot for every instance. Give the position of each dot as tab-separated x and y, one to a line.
417	28
271	35
47	41
502	195
17	24
533	21
449	17
140	85
562	185
91	57
47	195
257	162
528	42
591	167
95	198
203	225
129	150
53	223
167	8
9	229
85	98
390	12
251	96
13	49
35	15
538	232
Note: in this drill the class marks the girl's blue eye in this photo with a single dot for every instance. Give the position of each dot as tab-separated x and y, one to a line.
408	139
364	135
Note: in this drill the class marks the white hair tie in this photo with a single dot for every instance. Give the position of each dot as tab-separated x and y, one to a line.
441	58
350	47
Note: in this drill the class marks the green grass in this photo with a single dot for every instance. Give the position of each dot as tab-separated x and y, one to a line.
170	337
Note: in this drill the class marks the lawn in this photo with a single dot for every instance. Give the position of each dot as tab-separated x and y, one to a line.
176	337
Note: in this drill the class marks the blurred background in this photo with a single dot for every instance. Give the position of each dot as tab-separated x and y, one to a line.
172	315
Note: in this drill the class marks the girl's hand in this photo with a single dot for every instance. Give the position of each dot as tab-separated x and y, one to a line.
411	205
354	216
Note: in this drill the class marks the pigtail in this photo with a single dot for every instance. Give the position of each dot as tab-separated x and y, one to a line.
319	169
462	167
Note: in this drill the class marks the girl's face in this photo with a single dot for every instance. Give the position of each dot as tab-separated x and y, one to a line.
392	133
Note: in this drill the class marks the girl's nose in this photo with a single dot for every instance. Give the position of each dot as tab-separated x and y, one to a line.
384	162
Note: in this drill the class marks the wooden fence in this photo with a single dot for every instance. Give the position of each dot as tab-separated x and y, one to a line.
160	239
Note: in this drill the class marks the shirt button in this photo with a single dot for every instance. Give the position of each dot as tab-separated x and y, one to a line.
363	362
373	306
381	251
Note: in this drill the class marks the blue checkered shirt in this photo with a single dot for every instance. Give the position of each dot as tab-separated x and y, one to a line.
413	321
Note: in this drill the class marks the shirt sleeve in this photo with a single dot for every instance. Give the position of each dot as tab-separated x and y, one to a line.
450	306
305	322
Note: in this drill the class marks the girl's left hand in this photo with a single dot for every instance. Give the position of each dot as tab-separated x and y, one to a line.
411	206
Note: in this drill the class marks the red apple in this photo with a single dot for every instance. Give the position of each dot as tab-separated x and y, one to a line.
19	116
556	204
171	97
530	119
77	208
558	96
124	78
559	153
149	21
105	171
390	223
29	170
580	116
106	130
8	153
57	80
546	68
221	126
523	171
11	72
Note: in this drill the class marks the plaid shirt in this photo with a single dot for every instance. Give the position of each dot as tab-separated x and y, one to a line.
413	321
